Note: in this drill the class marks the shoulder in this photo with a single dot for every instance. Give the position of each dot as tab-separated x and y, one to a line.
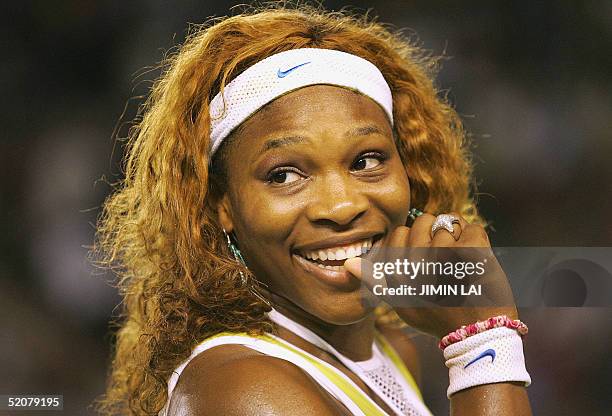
235	380
405	348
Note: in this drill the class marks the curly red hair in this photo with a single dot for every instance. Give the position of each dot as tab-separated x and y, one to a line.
158	230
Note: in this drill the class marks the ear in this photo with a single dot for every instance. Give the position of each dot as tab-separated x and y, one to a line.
224	213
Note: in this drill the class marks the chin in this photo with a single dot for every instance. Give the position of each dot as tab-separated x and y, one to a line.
344	309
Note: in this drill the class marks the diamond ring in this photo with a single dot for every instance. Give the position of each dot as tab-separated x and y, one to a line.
446	221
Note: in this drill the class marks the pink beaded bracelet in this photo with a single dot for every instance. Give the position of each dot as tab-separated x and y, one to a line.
476	328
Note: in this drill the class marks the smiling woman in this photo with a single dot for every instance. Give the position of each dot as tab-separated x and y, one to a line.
277	148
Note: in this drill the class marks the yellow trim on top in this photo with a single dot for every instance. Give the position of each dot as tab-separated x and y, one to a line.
364	402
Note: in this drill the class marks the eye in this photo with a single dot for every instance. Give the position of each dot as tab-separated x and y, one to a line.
283	176
368	161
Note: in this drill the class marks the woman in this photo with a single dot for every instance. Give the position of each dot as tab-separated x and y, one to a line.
276	149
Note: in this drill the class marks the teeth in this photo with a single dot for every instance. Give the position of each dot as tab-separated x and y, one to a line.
339	253
337	268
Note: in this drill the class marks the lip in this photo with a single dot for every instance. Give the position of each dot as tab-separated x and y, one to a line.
339	240
336	278
340	279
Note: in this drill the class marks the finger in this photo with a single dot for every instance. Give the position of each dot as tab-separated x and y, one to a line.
463	223
353	266
474	235
363	269
442	238
421	230
399	237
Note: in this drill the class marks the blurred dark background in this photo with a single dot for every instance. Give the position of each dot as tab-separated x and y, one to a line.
530	79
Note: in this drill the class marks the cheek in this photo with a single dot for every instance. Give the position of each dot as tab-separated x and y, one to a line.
263	224
394	196
263	218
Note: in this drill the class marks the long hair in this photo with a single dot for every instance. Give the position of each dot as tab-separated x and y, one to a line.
158	230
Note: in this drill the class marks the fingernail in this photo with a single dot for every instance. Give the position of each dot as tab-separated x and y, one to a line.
353	266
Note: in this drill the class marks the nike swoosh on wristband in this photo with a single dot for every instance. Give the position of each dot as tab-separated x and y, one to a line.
487	353
283	74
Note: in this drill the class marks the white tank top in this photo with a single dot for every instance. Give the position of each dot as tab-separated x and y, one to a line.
334	381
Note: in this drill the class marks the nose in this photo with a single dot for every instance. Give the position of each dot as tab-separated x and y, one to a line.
337	200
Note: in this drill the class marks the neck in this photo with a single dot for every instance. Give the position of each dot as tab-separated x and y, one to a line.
354	341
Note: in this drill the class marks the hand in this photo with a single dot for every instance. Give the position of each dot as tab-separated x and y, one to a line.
440	320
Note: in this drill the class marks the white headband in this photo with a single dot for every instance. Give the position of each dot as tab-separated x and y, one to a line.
287	71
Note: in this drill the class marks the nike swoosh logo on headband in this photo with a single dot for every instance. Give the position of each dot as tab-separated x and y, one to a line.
486	353
283	74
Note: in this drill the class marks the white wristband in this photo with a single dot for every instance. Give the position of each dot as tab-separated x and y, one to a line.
493	356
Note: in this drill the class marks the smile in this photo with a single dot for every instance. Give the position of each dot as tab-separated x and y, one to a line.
333	258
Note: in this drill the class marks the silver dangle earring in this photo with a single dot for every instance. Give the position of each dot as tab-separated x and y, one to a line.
238	256
236	253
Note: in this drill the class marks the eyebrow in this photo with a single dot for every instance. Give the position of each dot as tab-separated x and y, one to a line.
281	141
285	141
364	131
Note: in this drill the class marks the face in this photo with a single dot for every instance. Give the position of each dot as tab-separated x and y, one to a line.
312	177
